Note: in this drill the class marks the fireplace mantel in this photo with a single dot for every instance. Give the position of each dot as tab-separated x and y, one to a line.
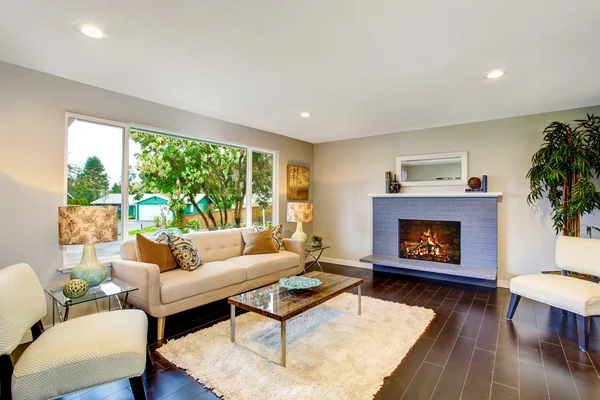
439	194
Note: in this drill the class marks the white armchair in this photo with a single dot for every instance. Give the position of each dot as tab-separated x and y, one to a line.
75	355
578	296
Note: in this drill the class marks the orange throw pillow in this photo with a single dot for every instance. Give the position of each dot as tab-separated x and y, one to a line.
150	251
259	242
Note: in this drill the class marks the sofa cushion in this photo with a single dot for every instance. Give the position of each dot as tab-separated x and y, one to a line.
571	294
179	284
258	242
258	265
218	245
156	252
185	252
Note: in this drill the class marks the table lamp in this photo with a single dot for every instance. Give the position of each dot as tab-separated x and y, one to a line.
299	212
88	225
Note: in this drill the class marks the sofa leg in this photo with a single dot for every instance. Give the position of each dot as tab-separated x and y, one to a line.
583	331
137	387
160	331
6	371
512	307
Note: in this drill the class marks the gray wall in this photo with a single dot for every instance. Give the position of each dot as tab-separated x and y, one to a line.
32	155
346	171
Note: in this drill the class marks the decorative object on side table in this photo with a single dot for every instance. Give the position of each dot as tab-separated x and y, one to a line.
484	183
395	186
75	288
87	225
298	182
299	213
388	181
317	241
297	282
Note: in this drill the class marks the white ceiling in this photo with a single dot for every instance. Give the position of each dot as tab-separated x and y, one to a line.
361	67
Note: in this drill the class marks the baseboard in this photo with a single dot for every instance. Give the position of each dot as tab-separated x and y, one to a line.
503	283
350	263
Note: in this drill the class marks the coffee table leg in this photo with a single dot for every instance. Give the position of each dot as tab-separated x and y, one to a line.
359	300
232	323
283	343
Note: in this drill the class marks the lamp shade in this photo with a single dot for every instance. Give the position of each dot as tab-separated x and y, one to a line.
87	224
299	212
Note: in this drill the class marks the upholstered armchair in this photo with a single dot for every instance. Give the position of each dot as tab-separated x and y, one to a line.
578	296
71	356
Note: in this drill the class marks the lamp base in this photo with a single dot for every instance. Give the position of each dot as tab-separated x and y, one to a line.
89	268
299	234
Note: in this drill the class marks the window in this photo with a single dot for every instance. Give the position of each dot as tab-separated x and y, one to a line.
94	170
262	188
173	184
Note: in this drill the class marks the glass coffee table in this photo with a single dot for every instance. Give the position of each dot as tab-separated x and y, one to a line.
110	287
311	251
278	303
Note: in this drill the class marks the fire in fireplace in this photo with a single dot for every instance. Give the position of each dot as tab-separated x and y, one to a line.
426	240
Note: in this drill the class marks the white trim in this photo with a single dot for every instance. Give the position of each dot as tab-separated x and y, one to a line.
249	205
503	283
350	263
430	157
439	194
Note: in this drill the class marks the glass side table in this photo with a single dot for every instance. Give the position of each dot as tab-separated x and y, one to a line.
311	251
110	287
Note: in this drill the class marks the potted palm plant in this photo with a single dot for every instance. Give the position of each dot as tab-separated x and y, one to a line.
563	170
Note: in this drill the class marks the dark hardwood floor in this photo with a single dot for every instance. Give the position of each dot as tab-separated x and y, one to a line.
470	351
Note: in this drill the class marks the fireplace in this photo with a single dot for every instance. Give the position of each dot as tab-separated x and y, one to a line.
437	241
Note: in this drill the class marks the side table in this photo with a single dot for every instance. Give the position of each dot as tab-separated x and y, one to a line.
110	287
311	251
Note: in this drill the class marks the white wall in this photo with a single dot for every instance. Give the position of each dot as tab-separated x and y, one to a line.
32	155
346	171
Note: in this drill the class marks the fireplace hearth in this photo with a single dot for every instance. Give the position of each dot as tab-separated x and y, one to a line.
437	241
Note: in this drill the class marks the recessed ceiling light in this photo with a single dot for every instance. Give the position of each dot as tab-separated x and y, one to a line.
495	74
90	31
305	114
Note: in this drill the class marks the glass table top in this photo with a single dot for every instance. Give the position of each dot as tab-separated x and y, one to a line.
110	287
275	301
310	247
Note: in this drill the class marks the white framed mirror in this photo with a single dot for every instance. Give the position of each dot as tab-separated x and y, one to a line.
442	169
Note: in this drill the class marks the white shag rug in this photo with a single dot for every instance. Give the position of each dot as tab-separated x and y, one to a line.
332	353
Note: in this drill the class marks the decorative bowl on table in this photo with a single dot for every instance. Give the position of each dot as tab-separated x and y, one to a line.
299	283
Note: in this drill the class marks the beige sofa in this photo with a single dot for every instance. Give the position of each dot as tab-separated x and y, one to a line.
225	272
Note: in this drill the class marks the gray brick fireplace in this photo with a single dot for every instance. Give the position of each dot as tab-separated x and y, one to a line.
478	218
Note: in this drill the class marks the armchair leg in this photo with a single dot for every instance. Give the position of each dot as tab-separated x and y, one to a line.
160	332
583	331
512	307
37	330
137	387
6	370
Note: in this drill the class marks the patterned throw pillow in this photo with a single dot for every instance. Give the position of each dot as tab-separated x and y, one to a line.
186	253
277	234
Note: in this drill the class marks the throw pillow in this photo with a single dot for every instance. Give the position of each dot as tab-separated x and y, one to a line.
186	253
258	242
277	234
156	252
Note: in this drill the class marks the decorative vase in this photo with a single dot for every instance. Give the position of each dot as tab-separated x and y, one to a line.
75	288
89	268
395	186
388	181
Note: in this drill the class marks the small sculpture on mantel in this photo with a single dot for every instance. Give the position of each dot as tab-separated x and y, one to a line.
395	186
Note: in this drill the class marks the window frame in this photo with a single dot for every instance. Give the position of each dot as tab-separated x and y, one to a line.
127	127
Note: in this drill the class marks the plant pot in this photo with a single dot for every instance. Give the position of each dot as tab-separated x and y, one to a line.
317	244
